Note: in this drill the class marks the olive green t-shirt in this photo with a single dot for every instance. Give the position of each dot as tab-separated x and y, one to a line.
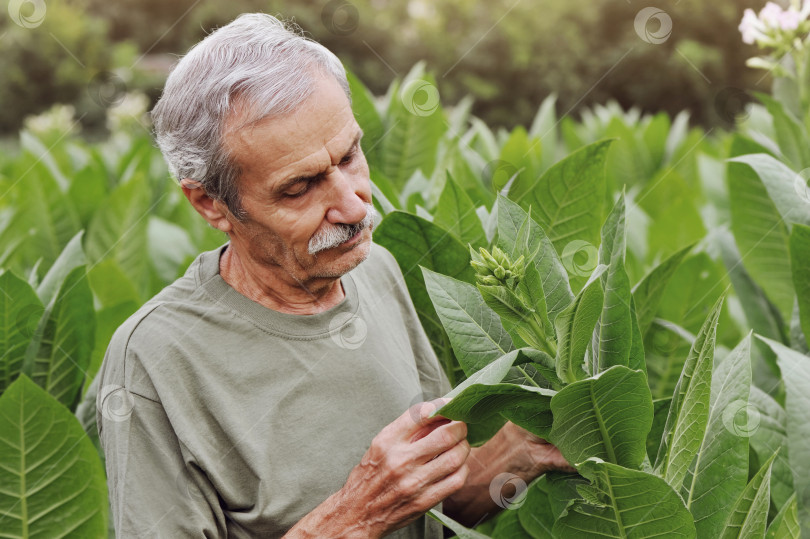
222	418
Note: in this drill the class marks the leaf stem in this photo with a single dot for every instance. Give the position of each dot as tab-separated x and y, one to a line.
540	335
529	378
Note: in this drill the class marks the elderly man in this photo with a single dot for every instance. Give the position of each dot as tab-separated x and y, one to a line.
268	389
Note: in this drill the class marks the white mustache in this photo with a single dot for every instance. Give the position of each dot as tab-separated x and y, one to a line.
334	235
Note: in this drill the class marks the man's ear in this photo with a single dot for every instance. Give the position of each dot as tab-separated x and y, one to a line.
212	210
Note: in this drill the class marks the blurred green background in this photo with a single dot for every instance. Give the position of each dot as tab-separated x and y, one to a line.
507	54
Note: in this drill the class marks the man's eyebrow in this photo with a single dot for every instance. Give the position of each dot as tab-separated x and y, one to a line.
286	184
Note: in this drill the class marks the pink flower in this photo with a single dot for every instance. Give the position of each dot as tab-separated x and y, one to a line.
770	14
789	20
750	27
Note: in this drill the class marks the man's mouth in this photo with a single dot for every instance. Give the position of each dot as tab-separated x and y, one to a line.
354	239
342	235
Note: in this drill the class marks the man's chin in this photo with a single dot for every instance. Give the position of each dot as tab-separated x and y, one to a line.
335	262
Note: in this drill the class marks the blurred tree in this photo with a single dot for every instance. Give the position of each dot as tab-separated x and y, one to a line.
507	54
50	53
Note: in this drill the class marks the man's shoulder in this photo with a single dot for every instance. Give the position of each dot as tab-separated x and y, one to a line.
183	295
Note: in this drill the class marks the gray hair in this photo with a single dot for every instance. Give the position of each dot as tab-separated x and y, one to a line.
265	64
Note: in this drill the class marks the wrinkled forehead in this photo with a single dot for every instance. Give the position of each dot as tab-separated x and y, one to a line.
272	141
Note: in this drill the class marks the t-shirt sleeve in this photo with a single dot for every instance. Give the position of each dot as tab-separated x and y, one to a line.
155	488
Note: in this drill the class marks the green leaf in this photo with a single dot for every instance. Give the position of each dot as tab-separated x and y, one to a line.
800	268
783	186
416	242
521	154
750	514
567	199
87	191
42	214
544	128
62	354
474	330
71	257
455	213
666	347
719	474
769	437
672	202
760	234
616	327
631	504
479	403
511	220
45	158
575	326
412	131
110	285
660	411
785	524
483	395
648	292
790	133
795	369
607	417
52	480
367	117
689	412
546	499
460	531
20	309
762	315
694	289
507	305
119	231
509	527
169	246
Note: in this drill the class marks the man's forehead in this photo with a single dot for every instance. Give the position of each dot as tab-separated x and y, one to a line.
323	121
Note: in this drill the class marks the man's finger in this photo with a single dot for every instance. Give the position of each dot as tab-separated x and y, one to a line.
418	415
440	439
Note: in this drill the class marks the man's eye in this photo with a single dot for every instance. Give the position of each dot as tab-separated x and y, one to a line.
297	193
349	156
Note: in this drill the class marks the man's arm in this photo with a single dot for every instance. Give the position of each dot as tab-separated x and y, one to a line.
512	450
412	465
152	489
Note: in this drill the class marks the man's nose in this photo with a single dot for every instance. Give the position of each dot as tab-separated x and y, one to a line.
347	198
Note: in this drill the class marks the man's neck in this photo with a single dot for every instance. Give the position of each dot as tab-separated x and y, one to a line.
263	286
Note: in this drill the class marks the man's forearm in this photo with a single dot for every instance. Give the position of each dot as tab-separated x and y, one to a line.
332	518
505	452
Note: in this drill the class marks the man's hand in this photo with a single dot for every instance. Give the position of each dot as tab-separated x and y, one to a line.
412	464
512	450
534	456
